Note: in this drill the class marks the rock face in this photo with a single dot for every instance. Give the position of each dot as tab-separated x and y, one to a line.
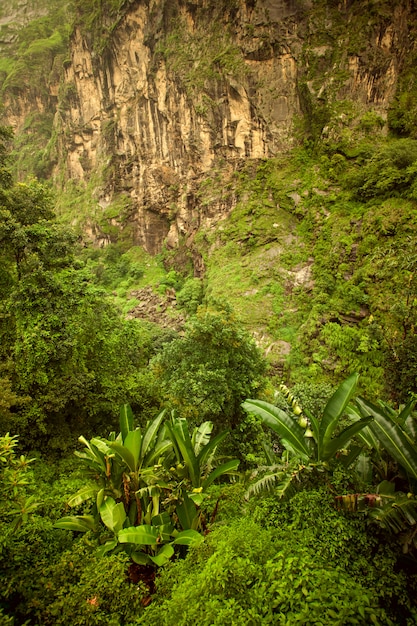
167	98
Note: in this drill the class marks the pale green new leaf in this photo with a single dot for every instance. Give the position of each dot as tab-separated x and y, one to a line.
201	436
163	556
125	420
106	547
113	515
85	493
188	537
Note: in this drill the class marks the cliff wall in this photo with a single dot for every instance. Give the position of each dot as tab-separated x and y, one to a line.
162	95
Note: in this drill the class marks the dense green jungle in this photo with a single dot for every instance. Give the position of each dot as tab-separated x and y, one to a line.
222	432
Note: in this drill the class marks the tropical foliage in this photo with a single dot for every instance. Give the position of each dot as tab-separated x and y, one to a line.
148	486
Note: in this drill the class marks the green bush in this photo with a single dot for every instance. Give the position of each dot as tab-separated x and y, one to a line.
391	171
243	574
191	295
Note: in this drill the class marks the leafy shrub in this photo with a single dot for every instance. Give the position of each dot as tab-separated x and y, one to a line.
390	171
58	581
191	295
244	574
209	371
372	559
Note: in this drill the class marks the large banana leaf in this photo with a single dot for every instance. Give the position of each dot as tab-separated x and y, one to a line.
112	514
207	452
201	436
188	537
163	556
79	523
125	420
87	492
145	535
332	413
187	513
282	424
338	443
130	449
151	432
178	429
391	436
225	468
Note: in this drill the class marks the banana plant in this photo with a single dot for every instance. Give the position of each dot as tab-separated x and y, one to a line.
195	467
146	505
395	432
313	439
121	465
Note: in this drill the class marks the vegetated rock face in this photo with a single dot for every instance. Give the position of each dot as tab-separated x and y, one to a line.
169	95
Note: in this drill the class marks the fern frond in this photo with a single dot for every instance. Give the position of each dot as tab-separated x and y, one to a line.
266	483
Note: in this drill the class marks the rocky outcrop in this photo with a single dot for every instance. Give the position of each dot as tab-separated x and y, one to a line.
163	102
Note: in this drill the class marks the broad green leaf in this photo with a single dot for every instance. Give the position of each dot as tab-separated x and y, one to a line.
164	555
410	427
157	453
125	420
162	518
281	423
335	409
150	433
99	499
133	444
102	446
141	558
179	431
187	513
406	412
93	453
85	493
106	547
225	468
201	436
363	468
391	436
125	454
165	531
112	514
210	448
79	523
338	443
145	535
188	537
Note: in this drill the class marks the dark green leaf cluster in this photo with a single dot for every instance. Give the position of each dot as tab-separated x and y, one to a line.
209	371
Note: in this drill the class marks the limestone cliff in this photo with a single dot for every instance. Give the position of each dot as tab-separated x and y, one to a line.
164	94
